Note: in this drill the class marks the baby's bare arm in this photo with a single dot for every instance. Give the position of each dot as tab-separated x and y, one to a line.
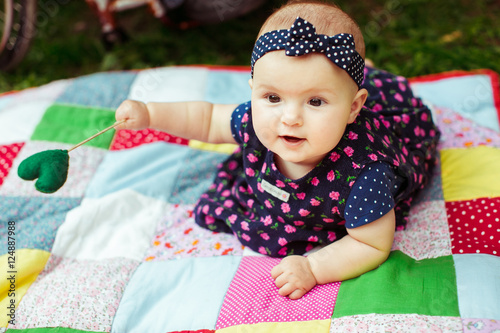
201	121
362	250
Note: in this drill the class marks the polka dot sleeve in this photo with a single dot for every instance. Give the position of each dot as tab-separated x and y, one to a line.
236	120
372	195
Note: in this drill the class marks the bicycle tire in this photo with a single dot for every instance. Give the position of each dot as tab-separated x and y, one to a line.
19	28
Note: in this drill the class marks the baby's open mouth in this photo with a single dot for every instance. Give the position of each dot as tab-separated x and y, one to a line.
291	139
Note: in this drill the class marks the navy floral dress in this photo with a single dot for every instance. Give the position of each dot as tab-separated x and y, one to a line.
278	216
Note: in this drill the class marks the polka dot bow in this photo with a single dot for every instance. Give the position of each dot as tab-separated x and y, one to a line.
302	39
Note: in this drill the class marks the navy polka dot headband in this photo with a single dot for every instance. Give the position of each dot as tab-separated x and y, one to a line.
302	39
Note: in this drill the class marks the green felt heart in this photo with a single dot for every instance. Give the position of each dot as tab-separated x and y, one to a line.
50	167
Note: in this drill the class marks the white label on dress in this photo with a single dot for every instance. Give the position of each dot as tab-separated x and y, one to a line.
275	191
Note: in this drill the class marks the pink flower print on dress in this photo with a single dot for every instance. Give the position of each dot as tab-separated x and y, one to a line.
353	136
251	157
282	241
355	165
376	122
373	157
285	207
334	195
228	203
219	210
232	165
232	218
301	196
259	188
397	119
402	86
244	226
250	203
268	220
331	236
406	118
398	97
246	137
312	239
370	137
309	247
246	237
290	229
209	219
368	126
378	83
293	185
334	156
226	193
298	223
250	172
280	184
335	210
264	166
377	107
304	212
315	202
205	209
264	236
268	204
330	176
282	252
349	151
315	181
245	118
262	250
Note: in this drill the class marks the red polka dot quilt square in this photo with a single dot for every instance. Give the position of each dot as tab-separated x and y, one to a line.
116	248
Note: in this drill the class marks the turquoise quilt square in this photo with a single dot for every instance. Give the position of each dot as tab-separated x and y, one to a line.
175	295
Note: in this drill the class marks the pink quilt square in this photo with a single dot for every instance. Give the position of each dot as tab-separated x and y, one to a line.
474	226
125	139
253	298
7	155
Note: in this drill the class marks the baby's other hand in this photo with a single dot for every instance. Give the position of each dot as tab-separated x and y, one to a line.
293	277
135	113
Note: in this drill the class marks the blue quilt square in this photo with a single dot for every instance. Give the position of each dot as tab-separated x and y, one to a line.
228	87
106	90
149	169
36	220
196	176
478	284
175	295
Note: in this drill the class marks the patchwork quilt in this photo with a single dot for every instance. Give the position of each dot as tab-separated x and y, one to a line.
116	249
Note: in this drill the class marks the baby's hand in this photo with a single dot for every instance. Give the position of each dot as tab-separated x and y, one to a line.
136	113
293	276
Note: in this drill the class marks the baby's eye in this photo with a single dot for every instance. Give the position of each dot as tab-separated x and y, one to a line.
316	102
273	98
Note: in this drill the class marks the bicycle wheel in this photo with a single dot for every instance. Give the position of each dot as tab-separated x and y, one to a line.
17	21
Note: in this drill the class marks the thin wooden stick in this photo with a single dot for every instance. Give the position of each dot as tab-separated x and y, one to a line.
95	135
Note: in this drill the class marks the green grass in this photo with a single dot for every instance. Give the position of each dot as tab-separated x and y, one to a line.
407	37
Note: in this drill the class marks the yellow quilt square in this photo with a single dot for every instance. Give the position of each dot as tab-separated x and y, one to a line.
19	271
313	326
470	173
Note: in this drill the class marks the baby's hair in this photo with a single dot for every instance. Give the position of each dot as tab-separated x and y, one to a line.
326	17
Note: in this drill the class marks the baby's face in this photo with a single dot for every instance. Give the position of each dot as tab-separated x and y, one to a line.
300	107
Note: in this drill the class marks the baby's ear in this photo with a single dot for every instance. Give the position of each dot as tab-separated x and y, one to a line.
250	83
357	103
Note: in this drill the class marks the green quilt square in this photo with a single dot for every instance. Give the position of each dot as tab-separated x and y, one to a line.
73	123
402	285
